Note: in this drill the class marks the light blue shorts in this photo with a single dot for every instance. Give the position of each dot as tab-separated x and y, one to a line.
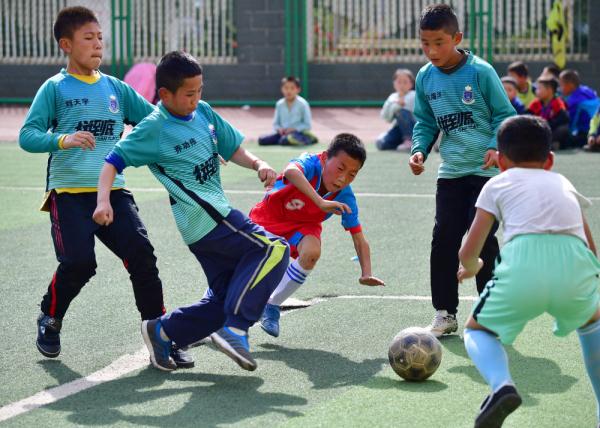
538	273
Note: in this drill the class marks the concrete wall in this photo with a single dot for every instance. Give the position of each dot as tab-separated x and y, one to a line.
256	76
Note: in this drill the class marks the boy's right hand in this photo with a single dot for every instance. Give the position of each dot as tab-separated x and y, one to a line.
82	139
334	207
103	215
416	163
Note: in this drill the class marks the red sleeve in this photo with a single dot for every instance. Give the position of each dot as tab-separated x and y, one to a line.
354	230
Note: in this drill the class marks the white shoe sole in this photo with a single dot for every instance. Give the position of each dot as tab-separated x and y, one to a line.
224	346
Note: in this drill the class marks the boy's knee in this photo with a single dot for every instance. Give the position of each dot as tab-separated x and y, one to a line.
80	269
309	257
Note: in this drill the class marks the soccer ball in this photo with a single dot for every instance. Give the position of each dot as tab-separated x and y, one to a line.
415	354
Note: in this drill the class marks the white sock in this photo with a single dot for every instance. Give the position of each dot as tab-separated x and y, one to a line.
294	277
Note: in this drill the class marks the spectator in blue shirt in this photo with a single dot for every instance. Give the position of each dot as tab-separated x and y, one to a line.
292	121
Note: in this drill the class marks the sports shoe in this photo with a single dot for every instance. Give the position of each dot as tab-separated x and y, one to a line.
443	323
48	335
235	347
181	357
269	321
159	349
497	406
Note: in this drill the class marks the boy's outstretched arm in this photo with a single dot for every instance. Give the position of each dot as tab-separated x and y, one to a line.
295	176
589	237
470	263
244	158
364	258
103	214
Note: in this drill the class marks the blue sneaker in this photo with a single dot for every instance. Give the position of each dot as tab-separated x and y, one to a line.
159	349
235	346
269	321
48	335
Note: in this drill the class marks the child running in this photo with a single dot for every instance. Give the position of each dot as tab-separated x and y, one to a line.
547	264
182	143
77	117
311	189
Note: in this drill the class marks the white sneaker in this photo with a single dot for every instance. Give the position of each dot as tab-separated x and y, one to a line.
443	323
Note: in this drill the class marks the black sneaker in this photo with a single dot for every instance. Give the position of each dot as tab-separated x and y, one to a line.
48	335
235	347
181	357
158	348
497	406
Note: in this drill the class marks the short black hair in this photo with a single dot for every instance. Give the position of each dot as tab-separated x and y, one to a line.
350	144
510	81
70	19
439	17
549	80
570	76
174	67
519	68
552	69
525	138
291	79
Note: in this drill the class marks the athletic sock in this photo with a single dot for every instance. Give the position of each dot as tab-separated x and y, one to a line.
294	277
589	337
489	357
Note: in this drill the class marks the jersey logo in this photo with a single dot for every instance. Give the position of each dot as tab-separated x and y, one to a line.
213	133
295	204
113	104
467	97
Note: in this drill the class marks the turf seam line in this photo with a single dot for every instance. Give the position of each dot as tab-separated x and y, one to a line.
258	192
130	362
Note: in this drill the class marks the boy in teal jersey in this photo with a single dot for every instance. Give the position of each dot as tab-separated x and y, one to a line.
543	222
460	95
77	116
183	142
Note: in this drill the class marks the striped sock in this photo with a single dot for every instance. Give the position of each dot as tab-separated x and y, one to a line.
294	277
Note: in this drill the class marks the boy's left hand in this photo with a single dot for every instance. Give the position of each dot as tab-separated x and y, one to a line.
490	159
464	273
266	174
371	281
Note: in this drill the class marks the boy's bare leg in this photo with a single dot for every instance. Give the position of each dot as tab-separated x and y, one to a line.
309	251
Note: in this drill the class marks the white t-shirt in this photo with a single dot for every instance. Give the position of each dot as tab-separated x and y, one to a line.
528	200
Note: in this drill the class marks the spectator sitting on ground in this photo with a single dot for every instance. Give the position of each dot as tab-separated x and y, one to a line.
574	93
551	108
292	119
398	109
519	71
510	86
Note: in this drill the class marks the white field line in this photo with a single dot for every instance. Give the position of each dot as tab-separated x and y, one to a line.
131	362
254	192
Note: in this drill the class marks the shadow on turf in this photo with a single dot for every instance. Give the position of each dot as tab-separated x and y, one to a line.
324	369
533	375
145	399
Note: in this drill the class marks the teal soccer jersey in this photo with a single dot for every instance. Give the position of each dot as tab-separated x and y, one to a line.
65	105
466	104
183	154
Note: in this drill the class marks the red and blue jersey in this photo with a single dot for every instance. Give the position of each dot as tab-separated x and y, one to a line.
285	204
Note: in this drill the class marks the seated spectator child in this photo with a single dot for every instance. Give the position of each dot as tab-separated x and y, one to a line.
398	109
551	108
510	86
593	144
519	71
574	93
292	119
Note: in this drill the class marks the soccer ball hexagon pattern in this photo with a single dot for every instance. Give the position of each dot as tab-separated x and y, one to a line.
415	354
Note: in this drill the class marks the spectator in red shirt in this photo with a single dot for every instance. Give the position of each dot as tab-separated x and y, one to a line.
553	109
